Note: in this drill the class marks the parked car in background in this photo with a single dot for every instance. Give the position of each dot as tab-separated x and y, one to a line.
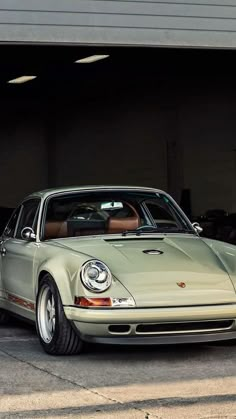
218	224
115	265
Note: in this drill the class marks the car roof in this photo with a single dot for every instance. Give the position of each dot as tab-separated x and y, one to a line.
48	192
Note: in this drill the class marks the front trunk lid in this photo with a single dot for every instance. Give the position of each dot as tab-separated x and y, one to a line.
177	271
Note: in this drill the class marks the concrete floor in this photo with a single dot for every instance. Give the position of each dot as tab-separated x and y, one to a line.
139	383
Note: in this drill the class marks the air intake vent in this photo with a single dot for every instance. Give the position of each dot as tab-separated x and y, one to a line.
184	327
119	328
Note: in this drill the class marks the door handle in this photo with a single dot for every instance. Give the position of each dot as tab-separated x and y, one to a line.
3	251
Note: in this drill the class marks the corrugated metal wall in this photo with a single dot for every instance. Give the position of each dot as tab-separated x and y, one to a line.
205	23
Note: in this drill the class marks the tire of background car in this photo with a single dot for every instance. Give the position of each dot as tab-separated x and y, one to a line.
4	317
56	334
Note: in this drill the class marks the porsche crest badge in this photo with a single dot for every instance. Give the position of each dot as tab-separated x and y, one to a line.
181	284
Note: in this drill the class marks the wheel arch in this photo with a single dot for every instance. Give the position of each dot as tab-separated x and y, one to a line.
41	276
62	282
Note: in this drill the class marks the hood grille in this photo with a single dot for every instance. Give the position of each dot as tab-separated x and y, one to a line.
153	252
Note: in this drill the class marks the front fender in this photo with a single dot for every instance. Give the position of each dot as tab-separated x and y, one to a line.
65	270
226	253
66	273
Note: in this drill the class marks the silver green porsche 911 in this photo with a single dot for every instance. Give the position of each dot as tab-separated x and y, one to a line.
116	265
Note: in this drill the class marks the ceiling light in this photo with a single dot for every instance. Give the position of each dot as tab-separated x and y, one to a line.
91	59
22	79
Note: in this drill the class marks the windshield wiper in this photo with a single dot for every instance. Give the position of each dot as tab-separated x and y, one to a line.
151	229
141	230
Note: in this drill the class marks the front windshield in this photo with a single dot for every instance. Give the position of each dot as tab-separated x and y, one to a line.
111	212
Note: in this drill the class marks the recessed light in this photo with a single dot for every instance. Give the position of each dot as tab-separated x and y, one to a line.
91	59
22	79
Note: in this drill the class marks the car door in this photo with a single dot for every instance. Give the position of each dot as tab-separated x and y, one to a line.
7	233
17	259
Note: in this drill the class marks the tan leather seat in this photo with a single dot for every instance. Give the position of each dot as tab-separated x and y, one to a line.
118	225
55	229
63	231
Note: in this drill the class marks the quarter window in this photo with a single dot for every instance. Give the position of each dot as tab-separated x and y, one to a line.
11	226
29	216
164	214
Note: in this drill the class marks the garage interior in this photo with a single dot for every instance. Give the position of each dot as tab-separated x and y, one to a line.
156	117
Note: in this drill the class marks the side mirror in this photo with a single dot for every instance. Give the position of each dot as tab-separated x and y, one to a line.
197	228
28	234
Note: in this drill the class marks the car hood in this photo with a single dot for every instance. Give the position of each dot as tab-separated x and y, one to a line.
185	271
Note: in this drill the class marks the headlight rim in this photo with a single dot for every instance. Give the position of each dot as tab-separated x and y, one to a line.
90	288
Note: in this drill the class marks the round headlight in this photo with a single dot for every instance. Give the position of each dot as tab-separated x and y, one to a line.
96	276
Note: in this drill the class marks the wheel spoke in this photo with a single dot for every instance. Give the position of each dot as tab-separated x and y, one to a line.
47	314
53	324
49	306
50	325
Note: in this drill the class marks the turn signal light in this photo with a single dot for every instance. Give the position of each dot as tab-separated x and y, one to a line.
93	302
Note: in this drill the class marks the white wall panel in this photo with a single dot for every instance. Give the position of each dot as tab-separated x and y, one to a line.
203	23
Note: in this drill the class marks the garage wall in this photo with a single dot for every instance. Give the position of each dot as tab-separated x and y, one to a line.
207	130
23	156
205	23
190	145
185	139
113	143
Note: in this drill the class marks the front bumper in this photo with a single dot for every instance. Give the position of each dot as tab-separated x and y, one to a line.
159	340
97	325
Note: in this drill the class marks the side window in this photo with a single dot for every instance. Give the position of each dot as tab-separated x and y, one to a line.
11	226
162	215
29	216
158	212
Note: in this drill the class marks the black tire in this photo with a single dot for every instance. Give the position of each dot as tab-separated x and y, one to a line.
4	317
65	340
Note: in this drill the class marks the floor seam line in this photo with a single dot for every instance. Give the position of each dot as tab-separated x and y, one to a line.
74	383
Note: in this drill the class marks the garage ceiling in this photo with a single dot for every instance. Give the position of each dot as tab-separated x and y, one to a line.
126	68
